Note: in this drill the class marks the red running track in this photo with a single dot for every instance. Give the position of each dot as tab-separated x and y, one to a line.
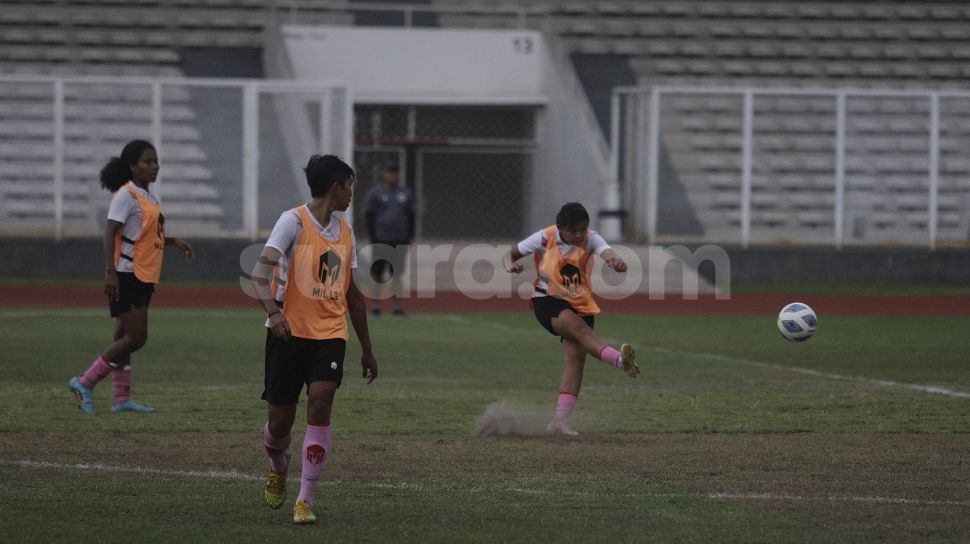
227	297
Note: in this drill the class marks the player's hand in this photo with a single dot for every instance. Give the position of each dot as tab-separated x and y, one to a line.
511	267
111	285
279	326
185	248
616	263
369	366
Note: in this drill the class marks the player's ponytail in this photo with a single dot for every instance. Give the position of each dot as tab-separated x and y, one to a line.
117	172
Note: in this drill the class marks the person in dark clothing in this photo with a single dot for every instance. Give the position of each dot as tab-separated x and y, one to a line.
389	213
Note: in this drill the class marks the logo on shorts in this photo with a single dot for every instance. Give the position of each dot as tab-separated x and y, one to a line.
314	454
333	365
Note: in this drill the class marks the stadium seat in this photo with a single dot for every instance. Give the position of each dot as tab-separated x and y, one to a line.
735	44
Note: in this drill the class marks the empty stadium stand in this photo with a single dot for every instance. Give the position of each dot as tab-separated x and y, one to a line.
898	45
857	44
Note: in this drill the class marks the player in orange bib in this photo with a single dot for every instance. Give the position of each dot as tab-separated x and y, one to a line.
310	255
563	300
134	241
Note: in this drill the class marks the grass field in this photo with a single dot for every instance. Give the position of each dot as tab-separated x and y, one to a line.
730	434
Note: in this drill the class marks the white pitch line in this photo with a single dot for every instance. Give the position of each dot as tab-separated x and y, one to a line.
208	474
815	373
232	475
836	498
935	389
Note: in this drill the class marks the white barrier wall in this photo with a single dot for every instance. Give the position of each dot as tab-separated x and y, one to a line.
396	65
471	67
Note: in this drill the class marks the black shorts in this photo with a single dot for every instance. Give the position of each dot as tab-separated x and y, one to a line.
292	364
548	307
132	293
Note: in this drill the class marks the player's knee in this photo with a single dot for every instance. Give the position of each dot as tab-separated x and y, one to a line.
319	408
137	339
280	427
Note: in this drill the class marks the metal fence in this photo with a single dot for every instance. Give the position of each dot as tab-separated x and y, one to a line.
232	153
231	150
470	167
794	165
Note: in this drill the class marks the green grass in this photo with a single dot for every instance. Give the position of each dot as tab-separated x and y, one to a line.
724	406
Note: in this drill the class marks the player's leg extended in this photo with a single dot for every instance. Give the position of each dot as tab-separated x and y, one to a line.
316	446
569	325
276	440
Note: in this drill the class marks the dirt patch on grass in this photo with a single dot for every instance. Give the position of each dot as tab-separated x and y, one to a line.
511	419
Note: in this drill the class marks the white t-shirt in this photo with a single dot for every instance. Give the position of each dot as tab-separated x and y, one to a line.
125	209
287	231
595	245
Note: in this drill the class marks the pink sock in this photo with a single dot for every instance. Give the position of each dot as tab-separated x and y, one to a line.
95	373
565	405
121	383
316	446
611	356
276	449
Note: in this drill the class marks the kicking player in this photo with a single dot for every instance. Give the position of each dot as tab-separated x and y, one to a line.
563	300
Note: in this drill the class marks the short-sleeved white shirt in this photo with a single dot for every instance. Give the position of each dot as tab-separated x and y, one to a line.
536	243
125	209
287	231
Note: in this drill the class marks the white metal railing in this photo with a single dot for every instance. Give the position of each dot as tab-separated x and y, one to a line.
334	135
637	152
294	8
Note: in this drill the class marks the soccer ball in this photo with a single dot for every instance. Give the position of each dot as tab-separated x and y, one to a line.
797	322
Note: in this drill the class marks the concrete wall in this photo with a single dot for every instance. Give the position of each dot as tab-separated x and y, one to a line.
569	165
82	259
855	266
219	260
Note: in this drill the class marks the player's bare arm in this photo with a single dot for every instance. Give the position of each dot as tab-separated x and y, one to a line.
262	276
357	308
182	245
614	261
110	274
509	261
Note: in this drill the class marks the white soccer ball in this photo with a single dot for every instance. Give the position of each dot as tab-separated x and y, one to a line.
797	322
